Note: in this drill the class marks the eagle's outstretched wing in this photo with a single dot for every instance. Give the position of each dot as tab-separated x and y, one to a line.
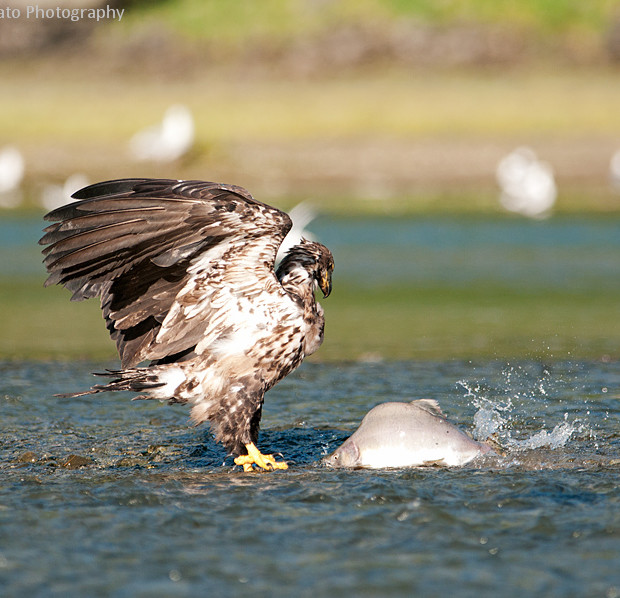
161	252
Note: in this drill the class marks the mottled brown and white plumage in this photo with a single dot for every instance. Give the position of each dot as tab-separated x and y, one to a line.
185	274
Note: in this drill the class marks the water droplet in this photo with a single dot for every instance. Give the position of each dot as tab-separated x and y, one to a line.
174	575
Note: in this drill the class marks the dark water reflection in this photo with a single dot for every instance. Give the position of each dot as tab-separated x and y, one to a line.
565	253
156	509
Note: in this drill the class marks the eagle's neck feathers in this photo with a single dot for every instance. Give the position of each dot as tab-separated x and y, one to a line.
298	282
297	275
297	270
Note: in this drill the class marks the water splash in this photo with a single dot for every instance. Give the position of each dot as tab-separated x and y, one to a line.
516	409
557	438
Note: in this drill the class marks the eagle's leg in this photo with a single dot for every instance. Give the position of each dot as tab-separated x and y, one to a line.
255	457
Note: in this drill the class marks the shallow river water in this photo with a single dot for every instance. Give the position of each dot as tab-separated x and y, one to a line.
100	496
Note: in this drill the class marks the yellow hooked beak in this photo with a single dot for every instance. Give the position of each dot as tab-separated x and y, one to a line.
325	282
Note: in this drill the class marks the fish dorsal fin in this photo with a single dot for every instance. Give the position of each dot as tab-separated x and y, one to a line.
429	405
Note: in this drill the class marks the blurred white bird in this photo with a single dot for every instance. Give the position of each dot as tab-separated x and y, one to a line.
54	196
301	215
614	170
11	174
166	141
527	184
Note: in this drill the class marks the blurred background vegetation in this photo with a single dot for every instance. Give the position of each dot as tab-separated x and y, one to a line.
397	108
408	102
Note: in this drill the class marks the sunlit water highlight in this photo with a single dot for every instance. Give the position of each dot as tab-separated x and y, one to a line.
103	497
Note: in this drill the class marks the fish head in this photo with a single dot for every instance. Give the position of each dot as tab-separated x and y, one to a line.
346	455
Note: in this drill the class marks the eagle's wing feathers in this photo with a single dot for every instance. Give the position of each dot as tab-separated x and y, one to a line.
158	252
224	289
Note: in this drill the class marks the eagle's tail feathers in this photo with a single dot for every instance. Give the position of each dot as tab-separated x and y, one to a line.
133	380
72	395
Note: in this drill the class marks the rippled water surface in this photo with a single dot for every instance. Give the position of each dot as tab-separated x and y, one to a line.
103	497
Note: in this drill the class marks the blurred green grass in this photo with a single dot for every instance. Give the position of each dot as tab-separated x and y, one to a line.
268	134
38	323
231	23
392	104
478	322
380	323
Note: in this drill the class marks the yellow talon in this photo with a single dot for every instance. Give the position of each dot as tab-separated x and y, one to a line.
255	457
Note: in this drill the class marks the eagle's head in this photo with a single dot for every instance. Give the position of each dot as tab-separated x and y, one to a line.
308	261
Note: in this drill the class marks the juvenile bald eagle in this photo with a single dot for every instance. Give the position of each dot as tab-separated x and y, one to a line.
185	274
